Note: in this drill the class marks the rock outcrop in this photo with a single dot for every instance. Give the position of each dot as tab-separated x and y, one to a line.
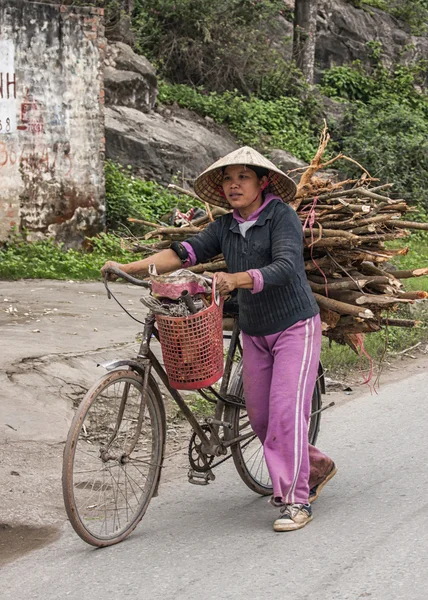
129	79
343	32
162	147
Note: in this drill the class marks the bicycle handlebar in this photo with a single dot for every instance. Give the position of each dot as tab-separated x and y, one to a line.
123	275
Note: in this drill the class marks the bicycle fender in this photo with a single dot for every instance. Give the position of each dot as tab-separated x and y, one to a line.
110	365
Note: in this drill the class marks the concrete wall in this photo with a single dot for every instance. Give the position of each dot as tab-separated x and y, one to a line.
51	120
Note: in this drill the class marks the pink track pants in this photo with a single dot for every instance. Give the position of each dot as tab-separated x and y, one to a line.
279	375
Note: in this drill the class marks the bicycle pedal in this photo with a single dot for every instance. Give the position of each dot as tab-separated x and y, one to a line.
197	478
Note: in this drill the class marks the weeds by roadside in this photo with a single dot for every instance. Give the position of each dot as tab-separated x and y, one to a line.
47	260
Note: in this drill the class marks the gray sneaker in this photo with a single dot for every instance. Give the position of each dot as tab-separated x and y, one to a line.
293	516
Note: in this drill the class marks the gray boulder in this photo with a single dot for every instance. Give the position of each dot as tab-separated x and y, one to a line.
334	112
343	32
161	147
129	79
287	162
127	88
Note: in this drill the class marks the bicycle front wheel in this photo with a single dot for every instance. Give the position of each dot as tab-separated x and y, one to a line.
248	455
113	457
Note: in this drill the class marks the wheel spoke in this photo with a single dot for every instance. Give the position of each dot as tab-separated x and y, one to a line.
110	490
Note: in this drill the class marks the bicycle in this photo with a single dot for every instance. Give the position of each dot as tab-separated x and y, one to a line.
115	447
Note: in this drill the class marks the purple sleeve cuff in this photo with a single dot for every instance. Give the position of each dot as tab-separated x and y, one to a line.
192	260
258	281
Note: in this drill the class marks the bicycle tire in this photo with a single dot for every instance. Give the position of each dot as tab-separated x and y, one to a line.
97	496
259	480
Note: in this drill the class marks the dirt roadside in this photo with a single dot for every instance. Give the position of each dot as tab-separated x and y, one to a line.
52	335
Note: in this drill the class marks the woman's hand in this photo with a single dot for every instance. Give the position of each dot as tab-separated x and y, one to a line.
109	264
226	283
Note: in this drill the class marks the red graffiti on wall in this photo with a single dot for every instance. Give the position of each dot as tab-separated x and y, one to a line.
47	156
31	114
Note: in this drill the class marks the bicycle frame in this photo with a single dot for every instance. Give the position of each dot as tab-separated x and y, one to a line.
213	445
146	359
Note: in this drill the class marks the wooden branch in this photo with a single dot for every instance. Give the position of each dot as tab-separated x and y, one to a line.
332	233
365	229
339	285
172	231
339	242
408	274
209	213
321	261
181	190
363	192
375	219
410	225
414	295
220	265
400	322
342	308
148	223
380	300
385	237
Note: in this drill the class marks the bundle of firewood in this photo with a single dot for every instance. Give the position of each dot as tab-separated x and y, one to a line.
346	226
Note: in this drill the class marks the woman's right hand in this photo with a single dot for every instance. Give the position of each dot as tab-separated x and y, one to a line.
109	264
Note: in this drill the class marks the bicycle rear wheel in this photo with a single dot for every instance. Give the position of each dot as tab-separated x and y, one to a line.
113	457
248	454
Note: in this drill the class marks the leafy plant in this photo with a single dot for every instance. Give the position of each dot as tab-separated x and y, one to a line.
46	259
281	123
129	196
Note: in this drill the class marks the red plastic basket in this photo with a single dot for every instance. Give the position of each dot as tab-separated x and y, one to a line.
192	347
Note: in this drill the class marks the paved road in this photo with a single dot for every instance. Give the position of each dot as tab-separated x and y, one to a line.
368	538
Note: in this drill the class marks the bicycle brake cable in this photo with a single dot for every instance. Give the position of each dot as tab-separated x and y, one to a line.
111	295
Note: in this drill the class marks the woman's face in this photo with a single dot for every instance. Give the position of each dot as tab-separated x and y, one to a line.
242	187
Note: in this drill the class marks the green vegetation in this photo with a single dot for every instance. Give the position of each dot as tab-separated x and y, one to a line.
386	124
391	141
202	408
282	123
47	260
130	196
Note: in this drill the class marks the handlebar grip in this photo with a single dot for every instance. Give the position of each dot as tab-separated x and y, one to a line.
127	277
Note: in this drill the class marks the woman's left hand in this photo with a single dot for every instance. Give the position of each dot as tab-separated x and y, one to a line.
226	283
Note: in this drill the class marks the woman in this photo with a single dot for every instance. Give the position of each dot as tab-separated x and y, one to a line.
262	243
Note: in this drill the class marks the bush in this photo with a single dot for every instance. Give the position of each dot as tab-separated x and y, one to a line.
391	140
281	123
358	82
129	196
219	44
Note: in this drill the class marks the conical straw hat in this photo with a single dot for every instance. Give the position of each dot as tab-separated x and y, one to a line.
209	184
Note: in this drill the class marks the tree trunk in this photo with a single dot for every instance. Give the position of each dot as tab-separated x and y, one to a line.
305	29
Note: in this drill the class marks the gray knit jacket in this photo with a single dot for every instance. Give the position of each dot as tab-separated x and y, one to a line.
274	245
